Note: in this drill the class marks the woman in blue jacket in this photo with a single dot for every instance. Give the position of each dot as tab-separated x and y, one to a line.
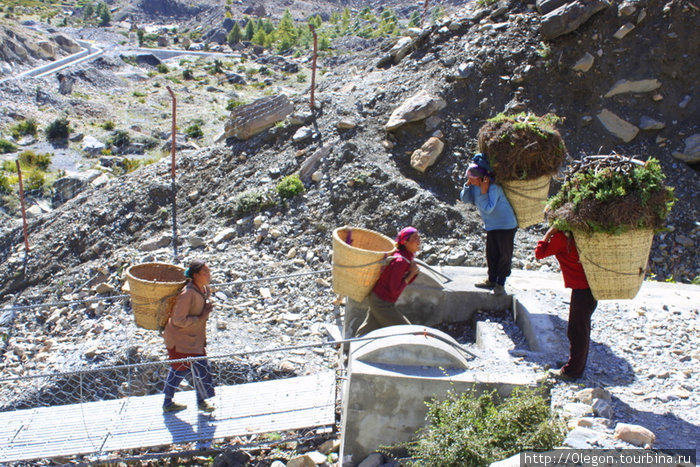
500	224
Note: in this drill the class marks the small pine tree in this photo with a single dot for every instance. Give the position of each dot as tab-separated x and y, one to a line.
235	35
249	30
286	31
268	26
259	37
415	20
88	11
103	13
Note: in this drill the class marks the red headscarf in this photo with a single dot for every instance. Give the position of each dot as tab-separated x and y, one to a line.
405	234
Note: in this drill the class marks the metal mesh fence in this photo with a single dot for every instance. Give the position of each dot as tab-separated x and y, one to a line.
115	382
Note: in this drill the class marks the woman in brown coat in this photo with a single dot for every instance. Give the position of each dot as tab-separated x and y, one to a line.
186	336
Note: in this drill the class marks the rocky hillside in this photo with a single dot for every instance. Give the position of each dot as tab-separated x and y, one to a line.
633	60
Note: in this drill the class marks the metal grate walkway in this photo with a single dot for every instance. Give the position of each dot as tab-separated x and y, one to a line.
139	422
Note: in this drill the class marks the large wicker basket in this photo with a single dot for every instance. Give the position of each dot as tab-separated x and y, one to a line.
528	198
154	287
358	256
615	265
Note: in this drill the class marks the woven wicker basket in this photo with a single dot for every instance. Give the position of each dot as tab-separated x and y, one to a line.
527	198
154	287
357	266
614	264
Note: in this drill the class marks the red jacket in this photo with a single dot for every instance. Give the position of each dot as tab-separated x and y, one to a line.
391	283
564	249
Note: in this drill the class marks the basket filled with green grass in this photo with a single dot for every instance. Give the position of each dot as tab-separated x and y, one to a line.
524	152
613	205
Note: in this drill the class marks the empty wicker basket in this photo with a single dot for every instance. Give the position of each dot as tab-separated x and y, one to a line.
154	287
615	265
358	256
528	198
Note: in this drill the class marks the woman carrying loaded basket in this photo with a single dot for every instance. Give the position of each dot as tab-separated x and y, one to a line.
395	276
582	304
185	336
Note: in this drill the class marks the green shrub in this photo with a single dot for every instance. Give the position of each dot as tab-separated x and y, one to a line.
29	159
33	178
252	201
59	129
475	430
290	186
187	74
26	127
233	103
4	184
162	68
108	125
6	146
194	131
120	139
301	78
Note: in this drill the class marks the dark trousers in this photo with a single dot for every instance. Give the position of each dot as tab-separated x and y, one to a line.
201	379
379	315
499	254
579	330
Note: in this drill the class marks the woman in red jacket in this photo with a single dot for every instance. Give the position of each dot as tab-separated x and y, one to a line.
582	303
395	276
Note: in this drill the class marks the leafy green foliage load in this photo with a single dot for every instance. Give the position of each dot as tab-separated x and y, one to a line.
475	430
522	146
290	186
612	194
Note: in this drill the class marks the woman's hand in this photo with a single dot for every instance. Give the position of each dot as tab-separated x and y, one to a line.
412	272
485	182
550	233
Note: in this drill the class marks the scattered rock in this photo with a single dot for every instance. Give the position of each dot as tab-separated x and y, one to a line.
426	156
624	85
418	107
617	126
635	434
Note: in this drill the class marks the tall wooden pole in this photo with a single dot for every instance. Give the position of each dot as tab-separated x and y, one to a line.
24	211
313	66
173	188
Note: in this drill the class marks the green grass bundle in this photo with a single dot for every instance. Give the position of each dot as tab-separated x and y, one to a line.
612	194
522	146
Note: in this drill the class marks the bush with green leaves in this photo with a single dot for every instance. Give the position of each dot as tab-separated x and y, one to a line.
58	130
6	146
30	159
233	103
4	184
120	139
194	131
26	127
290	186
108	125
252	201
478	429
162	68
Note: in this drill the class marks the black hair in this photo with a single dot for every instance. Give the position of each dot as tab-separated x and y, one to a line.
193	268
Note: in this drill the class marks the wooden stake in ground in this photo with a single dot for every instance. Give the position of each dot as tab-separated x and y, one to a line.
172	170
24	211
313	65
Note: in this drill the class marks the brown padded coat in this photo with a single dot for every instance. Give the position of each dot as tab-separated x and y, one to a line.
186	329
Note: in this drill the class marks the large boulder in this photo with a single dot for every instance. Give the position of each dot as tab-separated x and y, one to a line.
426	156
68	187
418	107
569	17
66	43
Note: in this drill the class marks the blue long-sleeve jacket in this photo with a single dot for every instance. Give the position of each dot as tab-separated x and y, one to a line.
494	207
